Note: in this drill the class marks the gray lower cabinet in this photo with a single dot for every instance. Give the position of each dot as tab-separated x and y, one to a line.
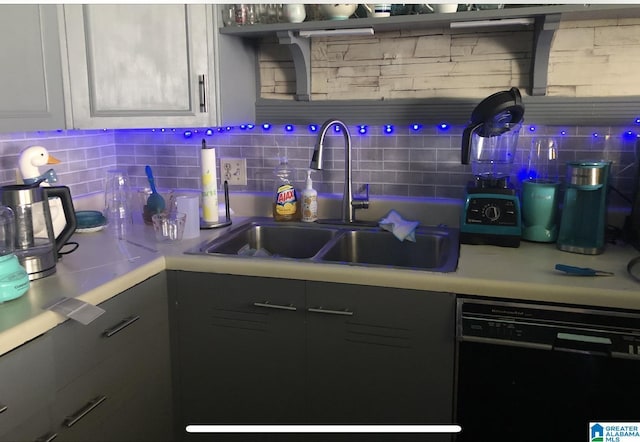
106	381
254	349
31	88
240	348
379	355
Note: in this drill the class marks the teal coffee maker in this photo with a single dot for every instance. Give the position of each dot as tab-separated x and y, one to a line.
584	213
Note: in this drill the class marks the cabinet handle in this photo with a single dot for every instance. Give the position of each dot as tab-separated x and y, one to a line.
267	304
344	312
47	437
202	86
3	408
74	418
120	326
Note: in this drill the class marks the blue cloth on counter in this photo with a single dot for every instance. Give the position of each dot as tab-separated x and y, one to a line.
400	227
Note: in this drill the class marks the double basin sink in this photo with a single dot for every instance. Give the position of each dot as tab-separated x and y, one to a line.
436	249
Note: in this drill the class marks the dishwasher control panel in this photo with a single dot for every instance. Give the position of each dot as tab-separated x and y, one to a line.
585	330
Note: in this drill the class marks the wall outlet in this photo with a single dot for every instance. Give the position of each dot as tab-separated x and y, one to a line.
234	171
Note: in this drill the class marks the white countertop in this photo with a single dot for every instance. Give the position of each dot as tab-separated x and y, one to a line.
103	267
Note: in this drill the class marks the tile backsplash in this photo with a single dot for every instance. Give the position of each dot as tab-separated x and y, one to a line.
406	162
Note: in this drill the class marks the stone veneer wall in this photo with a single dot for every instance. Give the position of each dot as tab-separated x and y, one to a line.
588	59
424	163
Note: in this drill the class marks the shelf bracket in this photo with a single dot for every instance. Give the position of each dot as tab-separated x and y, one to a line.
301	52
545	28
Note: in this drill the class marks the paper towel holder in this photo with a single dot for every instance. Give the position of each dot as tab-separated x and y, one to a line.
227	212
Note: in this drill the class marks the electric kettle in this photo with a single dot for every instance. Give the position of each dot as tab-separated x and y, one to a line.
14	281
35	244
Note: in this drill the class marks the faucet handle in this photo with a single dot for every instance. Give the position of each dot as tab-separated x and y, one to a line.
361	202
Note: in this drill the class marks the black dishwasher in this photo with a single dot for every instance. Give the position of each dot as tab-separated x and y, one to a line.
532	372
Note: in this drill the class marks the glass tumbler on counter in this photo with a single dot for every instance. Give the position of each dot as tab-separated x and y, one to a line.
169	226
117	206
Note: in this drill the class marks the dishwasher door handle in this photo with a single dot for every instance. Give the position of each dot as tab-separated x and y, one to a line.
586	344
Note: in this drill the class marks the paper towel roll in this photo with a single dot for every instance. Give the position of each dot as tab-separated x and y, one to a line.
190	204
209	184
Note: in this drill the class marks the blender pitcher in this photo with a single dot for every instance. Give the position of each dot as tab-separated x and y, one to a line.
489	141
540	192
492	154
14	281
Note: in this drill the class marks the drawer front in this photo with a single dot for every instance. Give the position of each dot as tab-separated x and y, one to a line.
79	348
92	407
26	382
37	427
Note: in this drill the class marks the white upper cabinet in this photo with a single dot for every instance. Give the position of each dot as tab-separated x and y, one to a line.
31	93
144	65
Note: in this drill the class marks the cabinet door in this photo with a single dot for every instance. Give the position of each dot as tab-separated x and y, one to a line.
31	94
239	346
139	65
380	355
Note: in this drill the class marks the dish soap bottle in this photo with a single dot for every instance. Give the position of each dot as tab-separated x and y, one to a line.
286	206
309	201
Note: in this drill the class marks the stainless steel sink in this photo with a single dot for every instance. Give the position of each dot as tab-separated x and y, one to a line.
271	239
433	250
436	248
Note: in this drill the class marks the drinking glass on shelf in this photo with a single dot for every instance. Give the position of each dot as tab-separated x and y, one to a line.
228	15
252	14
274	12
241	14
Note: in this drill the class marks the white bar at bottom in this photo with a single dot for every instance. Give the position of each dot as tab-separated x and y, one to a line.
323	428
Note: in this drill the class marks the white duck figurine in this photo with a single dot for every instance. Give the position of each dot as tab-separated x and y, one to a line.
29	163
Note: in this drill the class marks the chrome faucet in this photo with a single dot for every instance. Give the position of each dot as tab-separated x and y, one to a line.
349	203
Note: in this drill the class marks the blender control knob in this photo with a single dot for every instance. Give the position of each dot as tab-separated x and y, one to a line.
492	212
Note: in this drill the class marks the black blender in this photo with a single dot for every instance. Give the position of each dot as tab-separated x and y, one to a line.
491	213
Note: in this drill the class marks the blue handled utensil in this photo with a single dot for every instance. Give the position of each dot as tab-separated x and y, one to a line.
582	271
155	202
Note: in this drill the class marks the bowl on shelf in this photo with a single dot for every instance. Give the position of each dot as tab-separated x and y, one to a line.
446	8
337	11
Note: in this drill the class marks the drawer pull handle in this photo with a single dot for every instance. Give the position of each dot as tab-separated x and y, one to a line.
47	437
267	304
74	418
119	327
3	408
330	312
